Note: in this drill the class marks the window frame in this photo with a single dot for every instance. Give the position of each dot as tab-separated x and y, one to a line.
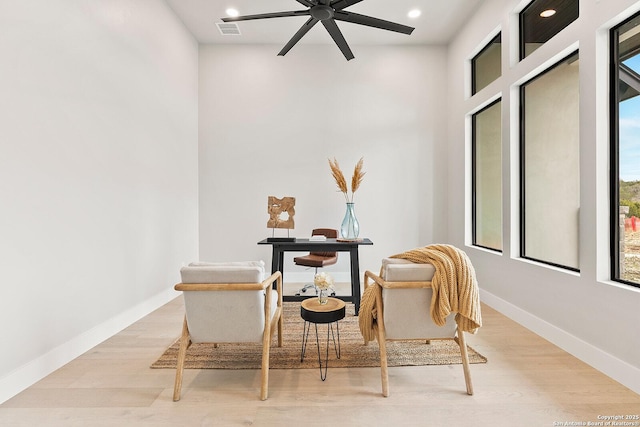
614	151
473	177
522	170
474	59
521	41
521	26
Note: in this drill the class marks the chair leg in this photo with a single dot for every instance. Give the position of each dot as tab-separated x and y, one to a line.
185	342
276	325
465	362
264	386
280	330
384	372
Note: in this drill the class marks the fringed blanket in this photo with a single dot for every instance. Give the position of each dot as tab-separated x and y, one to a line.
455	288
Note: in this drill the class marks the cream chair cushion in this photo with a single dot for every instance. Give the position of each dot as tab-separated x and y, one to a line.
226	316
407	311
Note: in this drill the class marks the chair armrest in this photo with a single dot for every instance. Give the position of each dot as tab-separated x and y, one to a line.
393	285
368	275
275	277
219	286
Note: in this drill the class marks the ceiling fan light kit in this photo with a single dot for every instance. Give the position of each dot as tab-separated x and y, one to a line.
327	12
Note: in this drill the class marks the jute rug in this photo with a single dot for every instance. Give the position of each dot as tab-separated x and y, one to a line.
353	351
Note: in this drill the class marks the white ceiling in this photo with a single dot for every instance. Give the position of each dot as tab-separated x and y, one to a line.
439	21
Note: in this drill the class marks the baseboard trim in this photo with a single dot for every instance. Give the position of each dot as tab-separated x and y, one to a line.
33	371
619	370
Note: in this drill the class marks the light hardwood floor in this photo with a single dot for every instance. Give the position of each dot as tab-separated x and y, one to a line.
526	382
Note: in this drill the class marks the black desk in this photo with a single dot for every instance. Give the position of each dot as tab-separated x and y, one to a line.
329	245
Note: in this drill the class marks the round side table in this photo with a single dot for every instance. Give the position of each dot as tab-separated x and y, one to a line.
312	311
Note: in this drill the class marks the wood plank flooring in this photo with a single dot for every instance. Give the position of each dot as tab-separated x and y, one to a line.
526	382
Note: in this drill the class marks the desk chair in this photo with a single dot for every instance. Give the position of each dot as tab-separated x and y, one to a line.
318	259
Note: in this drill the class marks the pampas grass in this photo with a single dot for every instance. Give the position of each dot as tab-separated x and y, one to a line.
341	182
338	175
358	176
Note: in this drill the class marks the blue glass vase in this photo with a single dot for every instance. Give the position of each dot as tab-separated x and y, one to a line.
350	227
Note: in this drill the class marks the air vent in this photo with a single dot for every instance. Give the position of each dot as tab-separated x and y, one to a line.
228	28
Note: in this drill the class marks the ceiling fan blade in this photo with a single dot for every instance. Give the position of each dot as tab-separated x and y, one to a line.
342	4
305	3
297	36
356	18
267	15
337	36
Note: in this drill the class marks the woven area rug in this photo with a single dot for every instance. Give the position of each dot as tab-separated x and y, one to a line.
353	351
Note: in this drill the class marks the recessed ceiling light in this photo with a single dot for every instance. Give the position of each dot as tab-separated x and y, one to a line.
232	12
547	13
414	13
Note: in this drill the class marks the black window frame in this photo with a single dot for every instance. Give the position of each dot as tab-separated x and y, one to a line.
521	147
494	40
521	22
473	178
614	150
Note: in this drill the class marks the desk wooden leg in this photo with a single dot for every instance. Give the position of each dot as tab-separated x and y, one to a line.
355	278
274	260
277	258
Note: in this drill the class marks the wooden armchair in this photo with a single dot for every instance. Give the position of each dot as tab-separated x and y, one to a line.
230	302
402	300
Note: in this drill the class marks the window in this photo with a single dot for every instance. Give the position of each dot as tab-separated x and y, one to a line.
625	152
487	177
543	19
485	66
550	166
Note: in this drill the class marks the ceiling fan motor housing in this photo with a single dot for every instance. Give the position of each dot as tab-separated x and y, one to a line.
322	12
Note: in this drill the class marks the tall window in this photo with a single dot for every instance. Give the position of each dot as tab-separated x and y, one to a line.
550	167
485	66
543	19
625	152
487	177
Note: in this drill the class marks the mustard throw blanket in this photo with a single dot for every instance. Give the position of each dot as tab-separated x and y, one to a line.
455	289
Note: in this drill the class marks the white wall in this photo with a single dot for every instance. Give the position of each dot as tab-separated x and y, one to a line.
98	173
588	315
268	124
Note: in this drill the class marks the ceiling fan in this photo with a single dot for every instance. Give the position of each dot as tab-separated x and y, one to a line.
328	12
